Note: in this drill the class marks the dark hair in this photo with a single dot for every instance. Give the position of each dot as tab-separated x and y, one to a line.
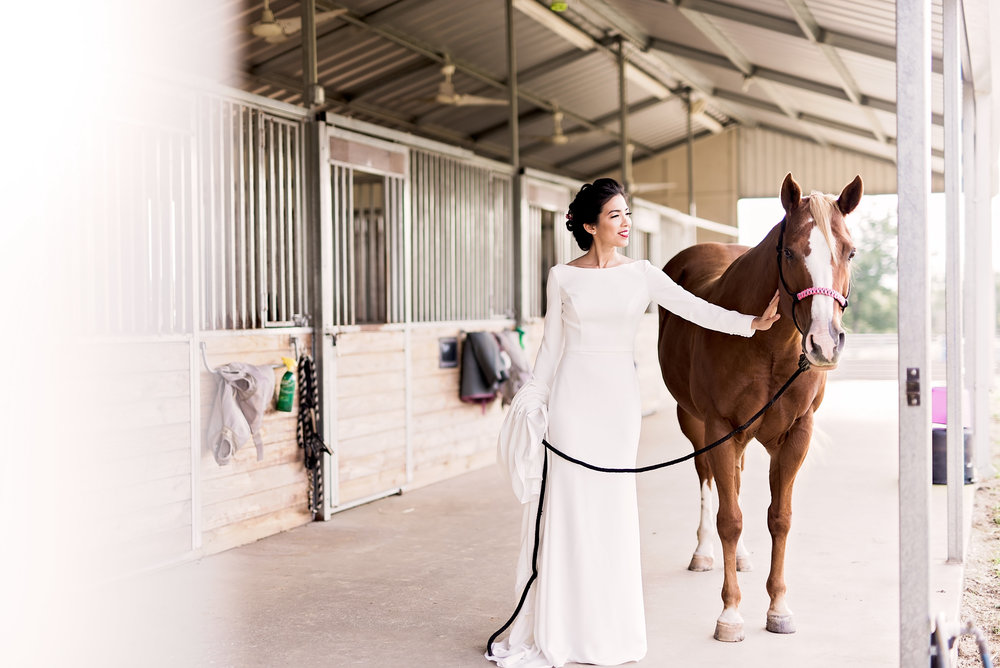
586	207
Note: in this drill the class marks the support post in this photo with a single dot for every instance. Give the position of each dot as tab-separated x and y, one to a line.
972	291
952	40
692	207
626	153
516	181
913	104
985	311
312	92
319	226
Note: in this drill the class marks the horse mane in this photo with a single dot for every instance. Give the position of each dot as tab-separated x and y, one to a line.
821	208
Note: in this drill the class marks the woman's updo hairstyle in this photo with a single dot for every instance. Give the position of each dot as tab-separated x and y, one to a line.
586	207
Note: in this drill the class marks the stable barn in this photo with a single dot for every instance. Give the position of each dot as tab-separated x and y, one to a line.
377	178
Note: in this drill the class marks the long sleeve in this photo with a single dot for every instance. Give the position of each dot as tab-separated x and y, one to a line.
677	300
550	351
520	452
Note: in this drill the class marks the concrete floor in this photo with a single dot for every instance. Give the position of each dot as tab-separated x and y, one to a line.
423	579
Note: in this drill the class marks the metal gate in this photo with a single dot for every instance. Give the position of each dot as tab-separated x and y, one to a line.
367	393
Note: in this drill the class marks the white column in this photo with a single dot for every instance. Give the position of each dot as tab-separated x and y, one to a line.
985	308
952	40
913	113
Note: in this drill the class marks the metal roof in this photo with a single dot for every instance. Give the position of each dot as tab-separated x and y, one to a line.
819	69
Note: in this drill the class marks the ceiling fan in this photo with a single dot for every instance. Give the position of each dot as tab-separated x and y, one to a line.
274	31
558	137
446	92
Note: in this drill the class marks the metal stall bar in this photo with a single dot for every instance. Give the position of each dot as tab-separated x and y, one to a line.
953	284
301	265
913	89
350	250
290	238
243	275
263	216
252	201
230	214
280	310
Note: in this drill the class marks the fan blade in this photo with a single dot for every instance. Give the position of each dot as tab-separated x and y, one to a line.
476	100
276	39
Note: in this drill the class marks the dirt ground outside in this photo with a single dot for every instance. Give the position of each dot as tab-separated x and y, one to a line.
981	596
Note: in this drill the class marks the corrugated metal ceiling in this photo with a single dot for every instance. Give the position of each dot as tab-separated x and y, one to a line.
382	63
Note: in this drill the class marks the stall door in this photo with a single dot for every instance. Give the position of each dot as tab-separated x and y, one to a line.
367	340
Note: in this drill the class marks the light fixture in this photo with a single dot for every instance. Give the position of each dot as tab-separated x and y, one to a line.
557	24
646	82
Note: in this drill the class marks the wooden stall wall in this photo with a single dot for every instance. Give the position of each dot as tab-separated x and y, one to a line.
371	413
449	437
135	476
246	500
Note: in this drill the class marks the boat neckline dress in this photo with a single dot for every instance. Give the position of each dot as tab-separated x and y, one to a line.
586	605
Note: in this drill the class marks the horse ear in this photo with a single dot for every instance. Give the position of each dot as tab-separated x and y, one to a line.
790	193
850	196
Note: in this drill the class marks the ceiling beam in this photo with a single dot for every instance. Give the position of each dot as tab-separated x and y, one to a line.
790	27
739	60
413	44
764	73
638	39
334	99
666	147
810	28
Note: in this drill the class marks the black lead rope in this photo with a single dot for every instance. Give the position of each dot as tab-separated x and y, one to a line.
803	366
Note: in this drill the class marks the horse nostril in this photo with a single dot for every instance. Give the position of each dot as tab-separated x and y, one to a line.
841	338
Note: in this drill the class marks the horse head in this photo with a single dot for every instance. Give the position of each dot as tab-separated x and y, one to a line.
814	263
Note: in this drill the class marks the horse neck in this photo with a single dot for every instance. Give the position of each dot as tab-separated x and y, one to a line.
751	281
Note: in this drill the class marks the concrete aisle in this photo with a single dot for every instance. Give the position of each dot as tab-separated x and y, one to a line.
423	579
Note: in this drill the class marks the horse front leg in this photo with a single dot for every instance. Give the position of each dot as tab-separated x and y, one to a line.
703	558
725	463
786	460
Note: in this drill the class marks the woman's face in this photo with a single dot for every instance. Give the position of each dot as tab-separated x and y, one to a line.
613	224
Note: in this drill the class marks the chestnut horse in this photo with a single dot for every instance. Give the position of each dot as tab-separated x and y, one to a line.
719	381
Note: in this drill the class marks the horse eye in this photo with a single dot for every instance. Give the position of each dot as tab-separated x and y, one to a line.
788	254
854	252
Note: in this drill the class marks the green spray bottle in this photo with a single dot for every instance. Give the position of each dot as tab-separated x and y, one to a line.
286	393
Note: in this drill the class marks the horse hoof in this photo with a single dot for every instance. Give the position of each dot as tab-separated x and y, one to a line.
780	623
728	632
701	563
743	564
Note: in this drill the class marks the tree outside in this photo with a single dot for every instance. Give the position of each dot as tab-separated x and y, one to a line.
874	294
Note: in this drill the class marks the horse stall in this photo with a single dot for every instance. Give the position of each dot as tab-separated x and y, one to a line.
214	274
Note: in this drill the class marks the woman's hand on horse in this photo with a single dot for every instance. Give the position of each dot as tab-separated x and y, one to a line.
769	316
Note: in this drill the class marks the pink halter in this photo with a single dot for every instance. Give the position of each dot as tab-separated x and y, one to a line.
829	292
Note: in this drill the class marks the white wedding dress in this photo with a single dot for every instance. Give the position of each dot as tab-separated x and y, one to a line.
586	605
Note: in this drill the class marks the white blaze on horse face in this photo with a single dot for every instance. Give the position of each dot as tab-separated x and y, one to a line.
819	264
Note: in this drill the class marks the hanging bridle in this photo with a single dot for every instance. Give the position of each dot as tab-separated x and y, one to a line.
808	292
